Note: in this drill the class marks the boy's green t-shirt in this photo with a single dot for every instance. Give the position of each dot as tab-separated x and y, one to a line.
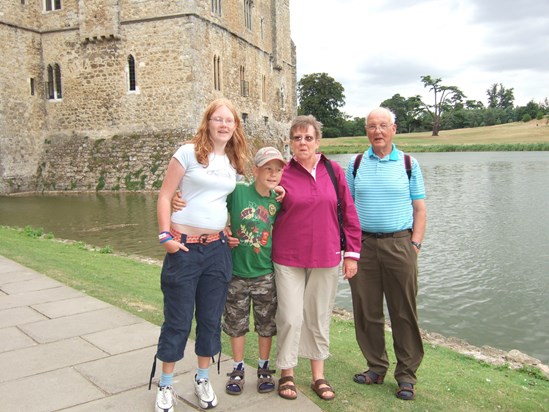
252	217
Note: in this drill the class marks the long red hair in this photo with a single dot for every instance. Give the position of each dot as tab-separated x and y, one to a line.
237	148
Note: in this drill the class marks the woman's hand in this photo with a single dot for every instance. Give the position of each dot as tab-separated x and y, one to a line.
178	203
350	267
281	192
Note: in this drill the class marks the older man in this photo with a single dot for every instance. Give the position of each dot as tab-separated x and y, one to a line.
388	190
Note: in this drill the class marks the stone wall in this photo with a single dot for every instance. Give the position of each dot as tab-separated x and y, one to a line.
99	131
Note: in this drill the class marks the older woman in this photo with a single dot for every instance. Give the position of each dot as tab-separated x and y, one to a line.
307	256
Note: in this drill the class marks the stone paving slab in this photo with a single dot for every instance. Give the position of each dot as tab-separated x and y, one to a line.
135	400
48	392
12	338
46	357
19	316
30	285
39	296
118	373
79	324
68	307
125	338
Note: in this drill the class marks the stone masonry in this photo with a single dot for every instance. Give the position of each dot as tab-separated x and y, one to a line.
98	94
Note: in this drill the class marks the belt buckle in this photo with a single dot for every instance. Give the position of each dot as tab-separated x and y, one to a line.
203	239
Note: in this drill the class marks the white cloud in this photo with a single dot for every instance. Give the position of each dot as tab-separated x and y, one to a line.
376	50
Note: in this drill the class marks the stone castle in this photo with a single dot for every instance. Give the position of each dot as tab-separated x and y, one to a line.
98	94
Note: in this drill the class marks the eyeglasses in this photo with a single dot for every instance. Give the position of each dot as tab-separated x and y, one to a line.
220	120
382	127
308	139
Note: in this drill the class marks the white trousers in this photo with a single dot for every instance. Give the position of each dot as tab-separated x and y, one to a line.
305	301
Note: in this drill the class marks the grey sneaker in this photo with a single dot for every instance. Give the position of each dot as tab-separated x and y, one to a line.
165	399
205	394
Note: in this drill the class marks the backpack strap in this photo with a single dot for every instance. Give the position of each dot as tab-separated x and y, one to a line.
330	171
408	165
358	159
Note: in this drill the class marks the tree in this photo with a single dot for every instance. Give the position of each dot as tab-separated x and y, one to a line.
322	96
407	110
500	97
446	98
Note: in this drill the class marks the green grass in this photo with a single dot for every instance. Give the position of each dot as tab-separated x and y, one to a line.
519	136
447	379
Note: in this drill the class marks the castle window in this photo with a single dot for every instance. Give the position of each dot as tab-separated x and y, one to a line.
131	74
32	86
50	5
217	72
248	14
53	85
216	7
244	117
244	84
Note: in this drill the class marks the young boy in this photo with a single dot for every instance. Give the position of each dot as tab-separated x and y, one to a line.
252	209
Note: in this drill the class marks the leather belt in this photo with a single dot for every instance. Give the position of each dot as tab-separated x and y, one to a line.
381	235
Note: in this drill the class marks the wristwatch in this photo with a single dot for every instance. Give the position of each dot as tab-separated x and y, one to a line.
416	244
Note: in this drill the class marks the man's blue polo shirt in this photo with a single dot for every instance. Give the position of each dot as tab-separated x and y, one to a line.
382	192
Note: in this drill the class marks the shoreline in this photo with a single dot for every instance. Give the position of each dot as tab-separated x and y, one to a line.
514	358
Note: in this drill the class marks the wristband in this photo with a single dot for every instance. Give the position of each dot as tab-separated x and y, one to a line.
163	237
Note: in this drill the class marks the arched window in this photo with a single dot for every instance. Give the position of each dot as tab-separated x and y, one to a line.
131	73
248	14
53	85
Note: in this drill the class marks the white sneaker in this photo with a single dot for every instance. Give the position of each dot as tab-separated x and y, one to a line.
205	394
165	399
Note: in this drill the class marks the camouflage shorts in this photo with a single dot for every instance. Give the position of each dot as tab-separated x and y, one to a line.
242	292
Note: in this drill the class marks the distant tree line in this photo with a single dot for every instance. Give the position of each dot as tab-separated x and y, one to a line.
321	95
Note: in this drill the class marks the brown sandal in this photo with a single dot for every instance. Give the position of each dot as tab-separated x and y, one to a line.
235	384
287	383
265	381
321	390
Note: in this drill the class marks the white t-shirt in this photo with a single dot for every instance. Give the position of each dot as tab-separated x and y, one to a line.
205	189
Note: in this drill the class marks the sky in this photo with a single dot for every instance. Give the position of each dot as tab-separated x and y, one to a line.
377	49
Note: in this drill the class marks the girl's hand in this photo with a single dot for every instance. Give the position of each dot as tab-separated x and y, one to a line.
173	246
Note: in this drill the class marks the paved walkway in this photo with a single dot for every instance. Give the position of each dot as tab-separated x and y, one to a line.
61	350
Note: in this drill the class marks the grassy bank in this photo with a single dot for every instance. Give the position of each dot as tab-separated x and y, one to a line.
519	136
447	380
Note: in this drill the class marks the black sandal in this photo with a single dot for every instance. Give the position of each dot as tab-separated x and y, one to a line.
369	378
405	391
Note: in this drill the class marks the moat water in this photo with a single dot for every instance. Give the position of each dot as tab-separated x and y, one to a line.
484	265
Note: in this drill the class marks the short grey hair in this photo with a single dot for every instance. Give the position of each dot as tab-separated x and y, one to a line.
383	109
